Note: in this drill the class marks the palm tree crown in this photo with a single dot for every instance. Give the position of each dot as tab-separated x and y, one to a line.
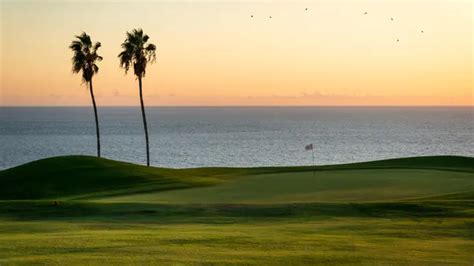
85	56
137	52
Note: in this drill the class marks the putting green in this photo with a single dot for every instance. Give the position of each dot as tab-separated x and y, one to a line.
358	185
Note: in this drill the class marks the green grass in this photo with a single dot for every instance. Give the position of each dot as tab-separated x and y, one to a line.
401	211
89	177
67	176
326	186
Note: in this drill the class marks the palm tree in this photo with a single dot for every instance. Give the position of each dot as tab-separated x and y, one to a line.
84	59
138	53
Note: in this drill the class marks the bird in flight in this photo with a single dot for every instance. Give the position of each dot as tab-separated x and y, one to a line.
251	16
398	40
391	19
270	17
422	31
306	9
365	13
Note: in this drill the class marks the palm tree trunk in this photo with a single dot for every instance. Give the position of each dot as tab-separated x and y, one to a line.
96	118
144	123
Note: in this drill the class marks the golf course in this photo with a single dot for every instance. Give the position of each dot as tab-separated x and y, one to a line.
77	210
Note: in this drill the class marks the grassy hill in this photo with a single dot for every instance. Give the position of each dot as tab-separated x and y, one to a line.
65	176
400	211
90	177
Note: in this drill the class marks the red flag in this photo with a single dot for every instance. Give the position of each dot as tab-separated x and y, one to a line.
308	147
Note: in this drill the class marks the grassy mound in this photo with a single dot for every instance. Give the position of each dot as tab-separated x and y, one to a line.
86	177
83	175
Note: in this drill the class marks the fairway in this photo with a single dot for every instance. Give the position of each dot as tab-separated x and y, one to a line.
402	211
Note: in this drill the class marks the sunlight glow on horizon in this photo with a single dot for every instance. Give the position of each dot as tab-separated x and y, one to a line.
215	54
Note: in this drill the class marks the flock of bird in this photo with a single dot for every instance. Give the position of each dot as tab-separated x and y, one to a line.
365	13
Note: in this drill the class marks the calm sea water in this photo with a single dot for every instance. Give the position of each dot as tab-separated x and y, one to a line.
257	136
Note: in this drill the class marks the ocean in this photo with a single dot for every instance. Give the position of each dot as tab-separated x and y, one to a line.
236	136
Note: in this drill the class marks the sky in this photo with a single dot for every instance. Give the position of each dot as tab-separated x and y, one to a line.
213	53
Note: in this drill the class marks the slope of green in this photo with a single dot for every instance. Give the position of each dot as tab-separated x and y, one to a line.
325	186
455	163
87	177
60	177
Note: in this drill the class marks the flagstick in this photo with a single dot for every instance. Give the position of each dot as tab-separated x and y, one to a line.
312	153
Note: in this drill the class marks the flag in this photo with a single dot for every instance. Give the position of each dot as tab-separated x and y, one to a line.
308	147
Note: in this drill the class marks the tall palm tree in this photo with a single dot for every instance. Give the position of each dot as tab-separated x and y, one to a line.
84	60
137	53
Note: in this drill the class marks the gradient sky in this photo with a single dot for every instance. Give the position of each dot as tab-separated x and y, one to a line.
214	53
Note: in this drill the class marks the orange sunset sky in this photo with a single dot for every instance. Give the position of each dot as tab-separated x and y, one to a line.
213	53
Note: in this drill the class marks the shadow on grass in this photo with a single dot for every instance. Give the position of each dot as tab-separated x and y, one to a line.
226	213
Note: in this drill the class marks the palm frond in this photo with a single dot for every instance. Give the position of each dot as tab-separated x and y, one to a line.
76	46
150	52
95	68
96	46
125	60
150	47
85	39
78	62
